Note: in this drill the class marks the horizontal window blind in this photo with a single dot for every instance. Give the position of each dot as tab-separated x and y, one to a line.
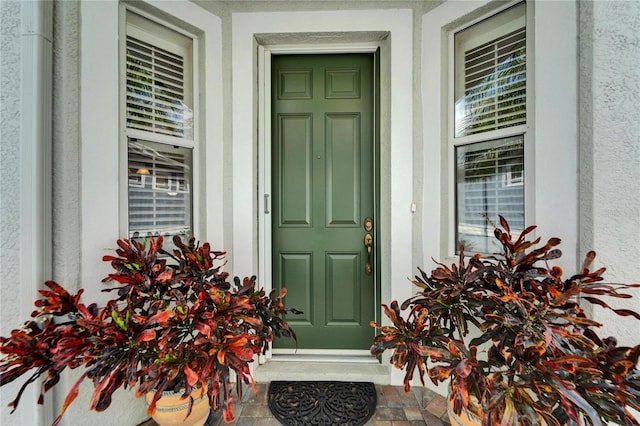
159	189
489	182
493	75
156	90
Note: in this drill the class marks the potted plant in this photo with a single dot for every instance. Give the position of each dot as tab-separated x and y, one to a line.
175	324
509	335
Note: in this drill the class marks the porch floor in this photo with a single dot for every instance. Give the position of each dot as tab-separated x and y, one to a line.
395	408
421	406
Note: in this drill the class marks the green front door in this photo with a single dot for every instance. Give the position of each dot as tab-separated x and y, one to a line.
322	188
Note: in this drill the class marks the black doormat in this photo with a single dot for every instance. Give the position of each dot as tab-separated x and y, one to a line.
322	403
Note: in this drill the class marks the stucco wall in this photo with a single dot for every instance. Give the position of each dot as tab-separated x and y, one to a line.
88	216
25	206
9	176
610	149
17	163
9	155
67	229
66	147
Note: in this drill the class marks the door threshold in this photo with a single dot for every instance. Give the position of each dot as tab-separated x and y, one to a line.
310	368
319	357
341	352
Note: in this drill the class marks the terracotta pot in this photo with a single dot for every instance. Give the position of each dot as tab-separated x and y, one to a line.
466	417
171	409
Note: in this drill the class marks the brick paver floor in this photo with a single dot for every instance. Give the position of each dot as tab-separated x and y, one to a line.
395	408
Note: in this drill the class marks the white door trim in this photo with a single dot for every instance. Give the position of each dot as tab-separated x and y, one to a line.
264	158
396	138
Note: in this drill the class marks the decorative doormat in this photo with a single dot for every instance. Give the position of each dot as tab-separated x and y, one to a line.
322	403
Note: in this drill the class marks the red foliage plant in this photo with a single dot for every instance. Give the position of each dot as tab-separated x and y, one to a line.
176	323
510	337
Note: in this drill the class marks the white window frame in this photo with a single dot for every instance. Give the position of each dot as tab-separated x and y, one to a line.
525	129
102	215
126	133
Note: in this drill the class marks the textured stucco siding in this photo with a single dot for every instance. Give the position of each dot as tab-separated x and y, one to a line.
10	72
66	147
610	149
9	154
125	409
66	175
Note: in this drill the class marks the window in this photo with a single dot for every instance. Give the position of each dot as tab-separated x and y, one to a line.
159	189
159	129
489	183
489	126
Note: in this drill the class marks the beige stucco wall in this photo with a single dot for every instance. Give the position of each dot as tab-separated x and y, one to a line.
9	156
610	149
9	173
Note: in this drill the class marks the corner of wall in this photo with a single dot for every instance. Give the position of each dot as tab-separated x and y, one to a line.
610	216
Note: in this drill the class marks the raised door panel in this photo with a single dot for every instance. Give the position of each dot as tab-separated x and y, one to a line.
343	288
295	84
343	169
342	83
294	150
296	270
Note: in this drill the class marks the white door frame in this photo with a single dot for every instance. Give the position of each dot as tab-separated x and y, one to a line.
256	36
265	242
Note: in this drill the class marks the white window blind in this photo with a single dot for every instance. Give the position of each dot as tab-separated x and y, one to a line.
491	74
159	189
155	91
489	132
159	127
489	182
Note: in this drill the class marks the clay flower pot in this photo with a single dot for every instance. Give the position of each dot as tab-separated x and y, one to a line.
171	409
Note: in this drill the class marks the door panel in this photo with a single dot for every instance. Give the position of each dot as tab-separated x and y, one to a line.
343	169
322	188
343	288
297	267
296	185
